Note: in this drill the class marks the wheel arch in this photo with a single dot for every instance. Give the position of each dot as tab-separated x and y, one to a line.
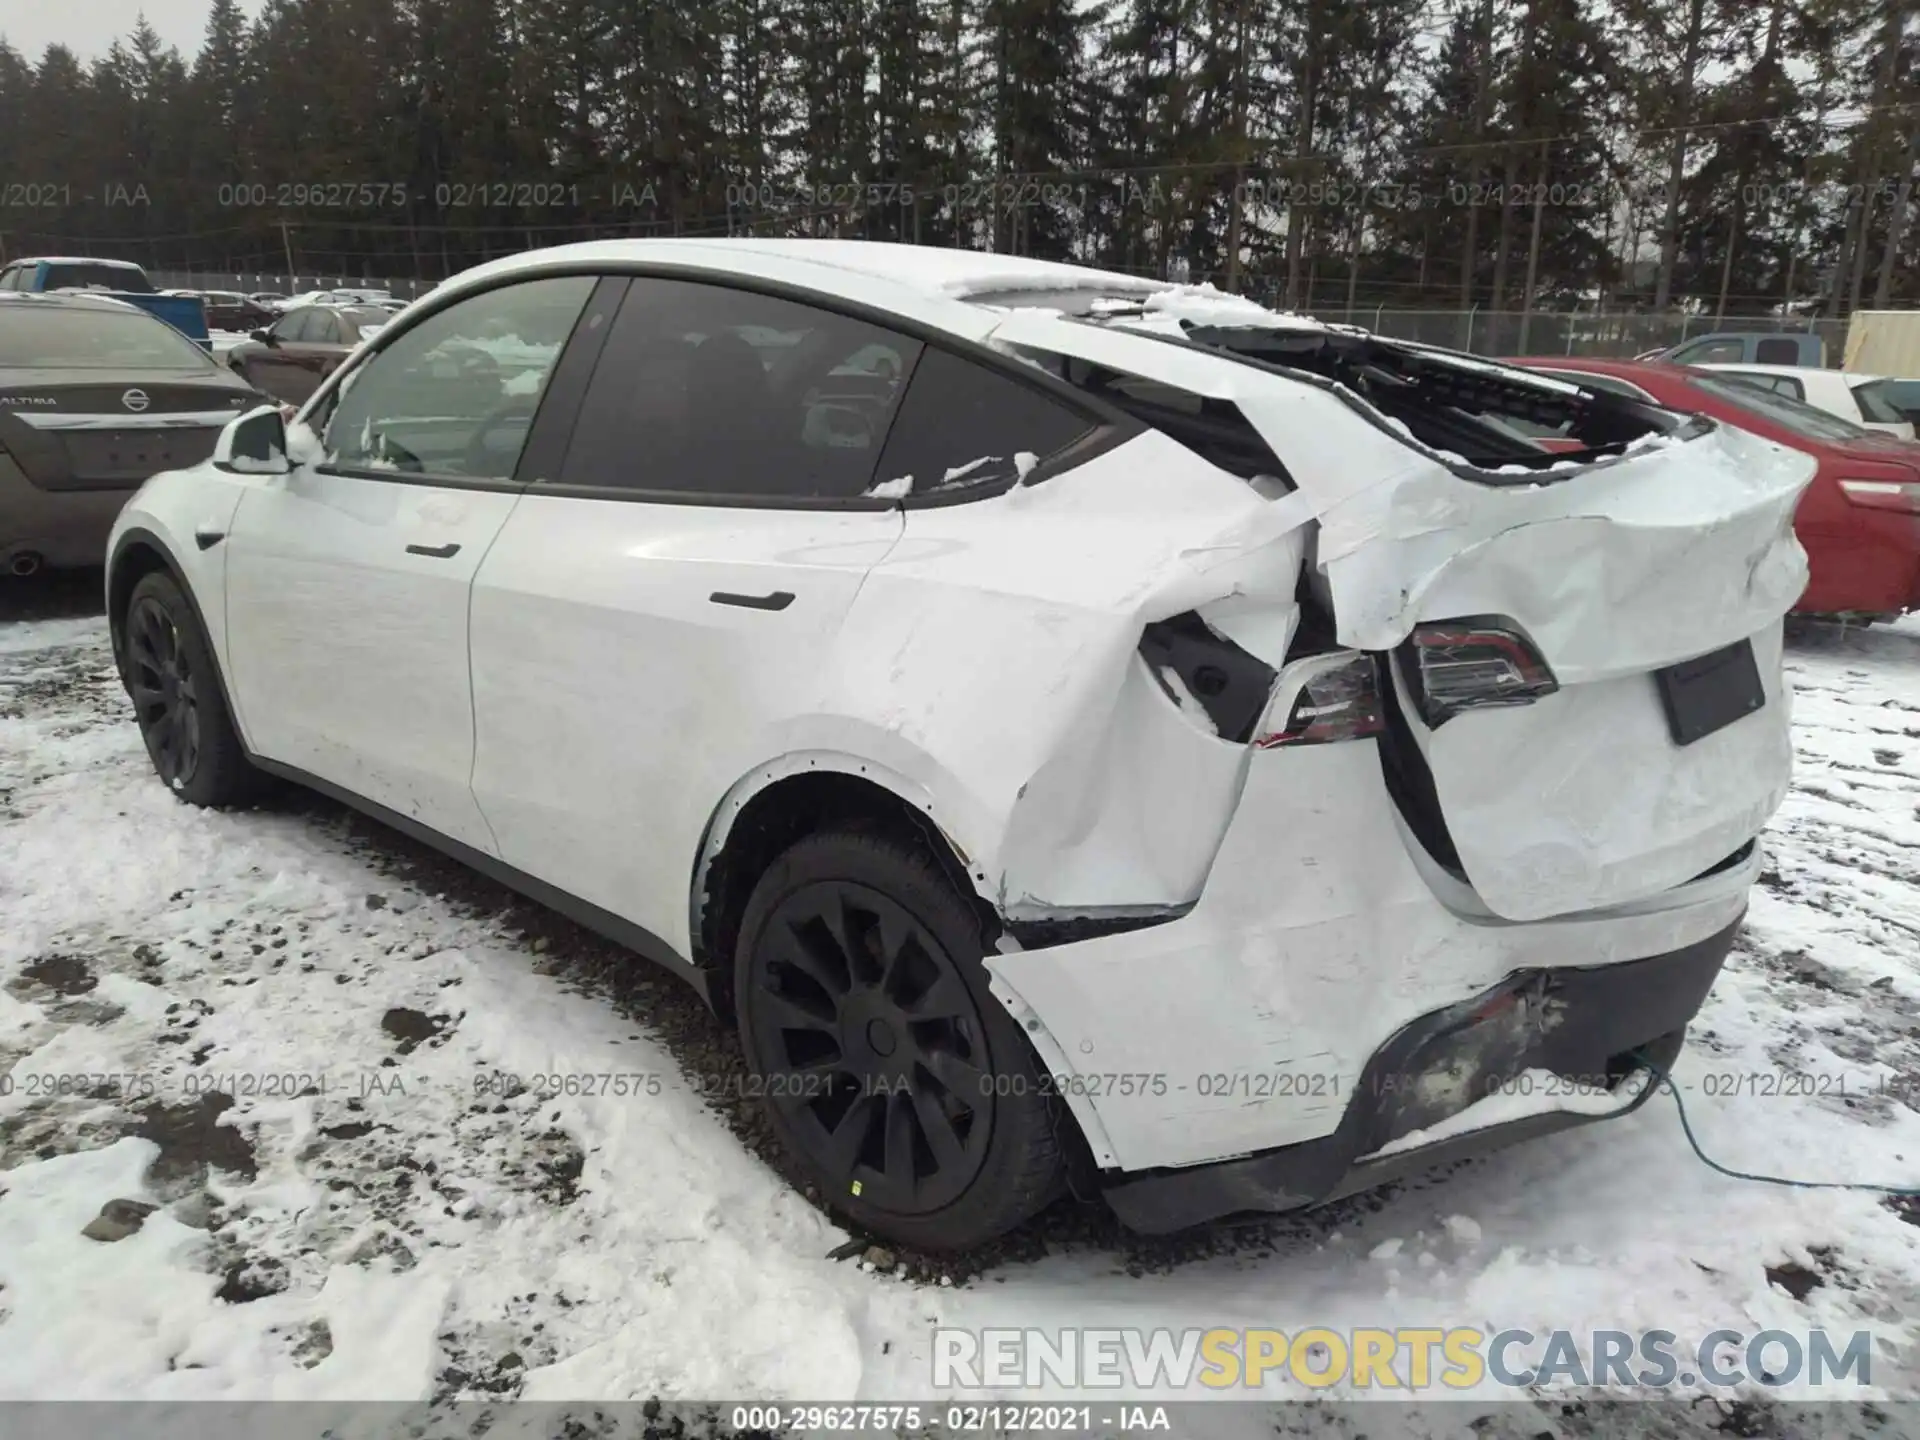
137	553
799	794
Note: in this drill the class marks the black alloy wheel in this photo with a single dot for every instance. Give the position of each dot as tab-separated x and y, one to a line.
166	692
873	1047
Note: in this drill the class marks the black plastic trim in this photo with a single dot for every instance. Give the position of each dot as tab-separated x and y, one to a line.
436	552
566	388
1232	686
777	600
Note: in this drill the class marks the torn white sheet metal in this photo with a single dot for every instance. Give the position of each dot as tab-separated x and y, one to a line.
1615	570
1241	1016
1625	564
992	657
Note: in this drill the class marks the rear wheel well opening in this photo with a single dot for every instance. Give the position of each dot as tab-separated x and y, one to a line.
134	563
783	813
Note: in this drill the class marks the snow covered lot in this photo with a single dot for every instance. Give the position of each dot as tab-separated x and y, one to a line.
283	1030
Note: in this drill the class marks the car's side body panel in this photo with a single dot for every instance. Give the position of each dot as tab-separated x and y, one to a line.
1002	638
620	694
347	635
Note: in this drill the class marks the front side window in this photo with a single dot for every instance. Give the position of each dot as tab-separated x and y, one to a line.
292	328
456	394
706	390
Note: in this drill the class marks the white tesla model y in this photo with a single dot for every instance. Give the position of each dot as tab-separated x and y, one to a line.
1063	720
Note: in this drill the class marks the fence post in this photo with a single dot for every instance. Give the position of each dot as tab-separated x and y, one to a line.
1470	314
1573	319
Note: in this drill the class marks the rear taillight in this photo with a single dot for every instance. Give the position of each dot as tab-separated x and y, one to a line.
1900	495
1479	663
1339	699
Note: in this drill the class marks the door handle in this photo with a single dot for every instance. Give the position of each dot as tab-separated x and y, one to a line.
778	600
434	552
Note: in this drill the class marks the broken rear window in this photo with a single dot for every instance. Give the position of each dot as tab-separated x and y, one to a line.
1483	414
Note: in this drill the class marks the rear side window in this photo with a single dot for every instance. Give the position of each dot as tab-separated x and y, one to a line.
39	335
1777	352
711	391
965	424
1875	404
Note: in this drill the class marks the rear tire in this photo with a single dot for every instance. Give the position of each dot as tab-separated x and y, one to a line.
890	1074
177	700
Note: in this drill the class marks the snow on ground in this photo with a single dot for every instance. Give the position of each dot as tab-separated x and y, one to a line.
284	1030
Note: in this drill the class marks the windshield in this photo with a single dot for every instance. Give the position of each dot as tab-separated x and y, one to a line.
1790	414
49	338
86	275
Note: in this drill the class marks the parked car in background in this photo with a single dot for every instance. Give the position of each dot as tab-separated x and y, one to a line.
230	310
1746	347
120	279
1861	399
1860	518
288	358
268	299
1048	743
95	396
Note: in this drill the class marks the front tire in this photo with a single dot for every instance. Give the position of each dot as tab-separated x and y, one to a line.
177	700
890	1074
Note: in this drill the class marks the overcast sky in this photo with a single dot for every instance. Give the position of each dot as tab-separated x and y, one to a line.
87	27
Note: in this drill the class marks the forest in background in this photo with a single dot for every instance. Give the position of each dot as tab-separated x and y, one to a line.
1730	157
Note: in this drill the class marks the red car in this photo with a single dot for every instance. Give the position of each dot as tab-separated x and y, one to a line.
1859	520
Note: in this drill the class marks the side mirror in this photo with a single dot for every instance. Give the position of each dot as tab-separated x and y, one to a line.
255	444
264	336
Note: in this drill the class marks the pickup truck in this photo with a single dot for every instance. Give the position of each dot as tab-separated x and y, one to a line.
116	280
1746	347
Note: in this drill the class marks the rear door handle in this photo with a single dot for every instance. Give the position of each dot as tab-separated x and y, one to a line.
434	552
778	600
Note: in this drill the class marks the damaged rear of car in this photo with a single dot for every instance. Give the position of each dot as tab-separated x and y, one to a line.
1357	782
